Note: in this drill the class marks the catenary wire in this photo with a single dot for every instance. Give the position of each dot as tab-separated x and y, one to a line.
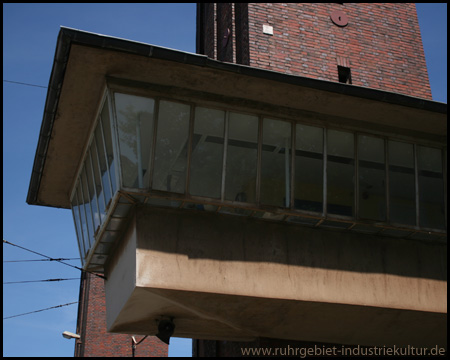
31	281
21	83
32	312
60	259
62	262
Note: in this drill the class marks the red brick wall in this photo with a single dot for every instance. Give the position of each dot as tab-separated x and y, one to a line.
381	43
95	340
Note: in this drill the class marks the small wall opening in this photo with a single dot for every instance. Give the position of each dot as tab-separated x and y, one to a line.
344	74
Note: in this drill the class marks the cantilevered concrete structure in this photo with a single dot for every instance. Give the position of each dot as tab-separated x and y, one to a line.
246	203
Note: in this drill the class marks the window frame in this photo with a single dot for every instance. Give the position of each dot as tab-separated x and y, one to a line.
256	209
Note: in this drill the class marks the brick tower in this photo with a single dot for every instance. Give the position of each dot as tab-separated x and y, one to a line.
370	45
94	340
374	45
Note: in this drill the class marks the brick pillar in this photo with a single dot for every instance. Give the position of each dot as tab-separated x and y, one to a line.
224	32
95	341
205	29
241	30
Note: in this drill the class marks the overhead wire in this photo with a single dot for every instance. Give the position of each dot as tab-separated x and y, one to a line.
62	262
31	281
60	259
32	312
21	83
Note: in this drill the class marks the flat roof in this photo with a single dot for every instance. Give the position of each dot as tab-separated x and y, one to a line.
101	56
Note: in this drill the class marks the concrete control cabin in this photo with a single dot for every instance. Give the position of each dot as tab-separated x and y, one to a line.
243	202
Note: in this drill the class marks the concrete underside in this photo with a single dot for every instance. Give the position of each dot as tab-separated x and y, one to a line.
229	278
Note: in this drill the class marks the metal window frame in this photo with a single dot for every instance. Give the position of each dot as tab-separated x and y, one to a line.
153	148
90	139
387	190
228	115
337	217
89	159
324	174
97	156
78	230
292	152
444	177
114	142
390	222
92	223
287	178
384	139
226	124
257	207
190	149
108	170
82	210
189	142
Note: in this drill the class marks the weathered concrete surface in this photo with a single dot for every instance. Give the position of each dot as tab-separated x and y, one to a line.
225	277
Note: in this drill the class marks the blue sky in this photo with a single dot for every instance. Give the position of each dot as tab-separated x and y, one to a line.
29	38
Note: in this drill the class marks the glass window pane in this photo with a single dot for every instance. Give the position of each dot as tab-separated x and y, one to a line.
340	173
207	153
83	218
308	187
402	191
77	221
242	158
106	124
106	183
431	188
372	178
135	128
87	208
92	194
98	182
171	147
275	167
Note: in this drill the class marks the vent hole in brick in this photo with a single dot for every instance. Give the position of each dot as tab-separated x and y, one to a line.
344	74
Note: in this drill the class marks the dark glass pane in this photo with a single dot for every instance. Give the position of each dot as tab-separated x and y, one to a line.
77	221
340	173
98	182
242	158
86	219
102	160
402	190
372	178
431	188
135	128
207	153
171	147
84	227
91	190
308	186
87	207
106	123
275	167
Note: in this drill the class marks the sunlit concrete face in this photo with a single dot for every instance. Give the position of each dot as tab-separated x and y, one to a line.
223	277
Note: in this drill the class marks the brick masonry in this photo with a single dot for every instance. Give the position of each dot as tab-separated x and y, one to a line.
381	44
95	341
